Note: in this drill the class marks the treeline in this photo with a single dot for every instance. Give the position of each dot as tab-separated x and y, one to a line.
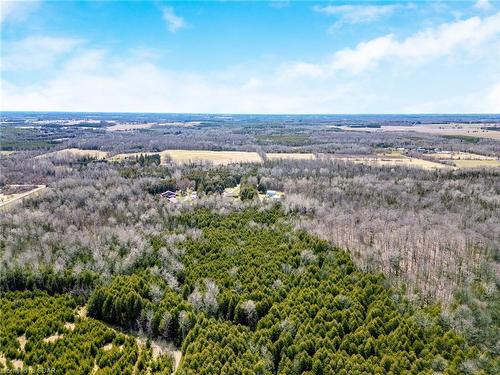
141	302
49	280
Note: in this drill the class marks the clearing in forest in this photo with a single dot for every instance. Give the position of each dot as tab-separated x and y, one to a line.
215	157
11	194
459	155
477	163
390	160
466	159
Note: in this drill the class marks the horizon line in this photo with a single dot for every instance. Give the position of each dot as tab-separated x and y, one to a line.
2	112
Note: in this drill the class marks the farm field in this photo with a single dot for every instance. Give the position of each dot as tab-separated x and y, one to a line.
459	156
466	159
215	157
459	130
138	126
11	194
390	160
474	163
125	127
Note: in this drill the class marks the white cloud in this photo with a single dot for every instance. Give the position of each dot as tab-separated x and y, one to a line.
355	14
418	48
483	5
174	22
483	100
95	80
113	84
16	10
493	98
35	52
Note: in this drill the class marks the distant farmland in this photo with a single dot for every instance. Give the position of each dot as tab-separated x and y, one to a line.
450	130
215	157
389	160
441	160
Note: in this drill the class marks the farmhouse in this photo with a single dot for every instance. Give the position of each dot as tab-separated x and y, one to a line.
168	194
233	192
274	195
179	196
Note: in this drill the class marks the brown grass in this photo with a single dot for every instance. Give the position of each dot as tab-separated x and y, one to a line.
125	127
459	156
477	163
215	157
393	159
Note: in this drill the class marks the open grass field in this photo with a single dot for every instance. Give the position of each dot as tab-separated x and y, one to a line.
125	127
135	126
467	160
289	156
392	159
77	152
477	163
453	130
12	194
459	156
215	157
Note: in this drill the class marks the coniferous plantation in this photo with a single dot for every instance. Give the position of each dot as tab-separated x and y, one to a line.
102	274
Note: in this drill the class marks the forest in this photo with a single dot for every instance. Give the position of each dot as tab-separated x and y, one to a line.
252	296
360	269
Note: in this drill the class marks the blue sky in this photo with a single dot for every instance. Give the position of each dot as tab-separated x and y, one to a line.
251	57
